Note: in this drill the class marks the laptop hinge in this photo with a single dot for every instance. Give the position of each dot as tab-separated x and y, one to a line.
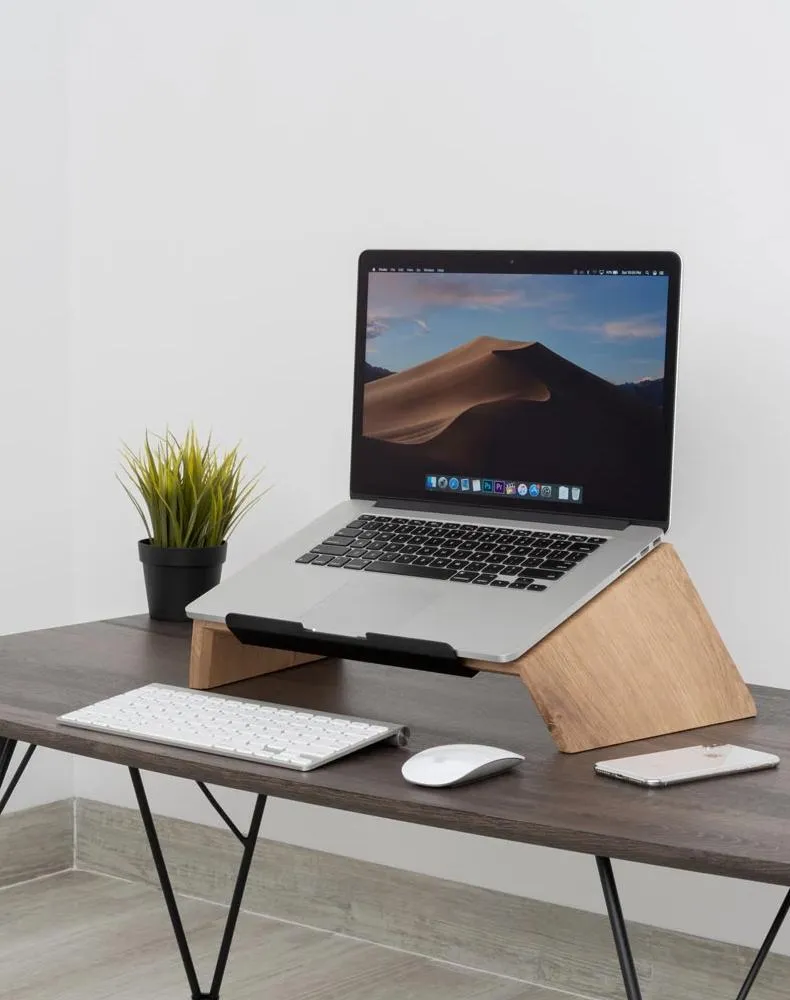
579	521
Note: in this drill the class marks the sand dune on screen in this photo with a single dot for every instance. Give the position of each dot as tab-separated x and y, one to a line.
416	405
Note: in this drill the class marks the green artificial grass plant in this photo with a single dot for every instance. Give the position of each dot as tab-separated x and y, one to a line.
188	495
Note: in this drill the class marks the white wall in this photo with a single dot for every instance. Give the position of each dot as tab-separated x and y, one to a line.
35	507
228	161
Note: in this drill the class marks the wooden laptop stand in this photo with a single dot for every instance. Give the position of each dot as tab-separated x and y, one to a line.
641	659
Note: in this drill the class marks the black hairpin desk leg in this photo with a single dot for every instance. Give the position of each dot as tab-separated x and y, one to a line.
623	946
248	840
617	923
7	748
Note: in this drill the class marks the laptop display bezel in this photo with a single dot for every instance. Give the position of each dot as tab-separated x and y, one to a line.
363	481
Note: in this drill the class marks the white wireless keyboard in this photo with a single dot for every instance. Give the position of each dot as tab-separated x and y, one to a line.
233	727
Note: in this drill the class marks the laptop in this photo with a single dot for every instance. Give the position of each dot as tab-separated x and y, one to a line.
511	456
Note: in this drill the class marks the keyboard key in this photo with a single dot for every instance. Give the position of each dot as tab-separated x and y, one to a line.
338	561
545	574
308	557
537	586
426	572
559	564
464	577
323	560
519	584
440	563
596	541
330	550
356	564
499	583
583	547
484	578
337	540
421	561
457	564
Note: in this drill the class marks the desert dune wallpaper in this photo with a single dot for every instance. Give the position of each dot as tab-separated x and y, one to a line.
545	378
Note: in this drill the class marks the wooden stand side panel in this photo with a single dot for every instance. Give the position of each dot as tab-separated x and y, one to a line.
642	659
217	657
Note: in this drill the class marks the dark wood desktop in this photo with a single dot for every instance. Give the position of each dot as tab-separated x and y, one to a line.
735	826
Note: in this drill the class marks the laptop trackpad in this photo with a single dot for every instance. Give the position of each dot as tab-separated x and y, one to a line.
383	605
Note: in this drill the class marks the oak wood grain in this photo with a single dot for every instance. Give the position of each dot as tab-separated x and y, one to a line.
735	826
217	657
642	659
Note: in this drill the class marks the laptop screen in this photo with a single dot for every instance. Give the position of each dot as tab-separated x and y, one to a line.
520	382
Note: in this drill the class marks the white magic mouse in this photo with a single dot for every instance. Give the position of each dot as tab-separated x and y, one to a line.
457	763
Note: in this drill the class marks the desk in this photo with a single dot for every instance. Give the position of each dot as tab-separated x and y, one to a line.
735	827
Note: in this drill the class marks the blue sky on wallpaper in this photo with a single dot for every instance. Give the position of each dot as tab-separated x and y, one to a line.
611	325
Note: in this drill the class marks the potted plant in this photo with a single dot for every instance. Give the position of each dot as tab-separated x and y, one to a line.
190	499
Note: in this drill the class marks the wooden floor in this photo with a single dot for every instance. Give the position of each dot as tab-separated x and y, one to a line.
80	936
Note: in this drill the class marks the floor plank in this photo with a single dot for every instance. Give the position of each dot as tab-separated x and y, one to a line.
80	936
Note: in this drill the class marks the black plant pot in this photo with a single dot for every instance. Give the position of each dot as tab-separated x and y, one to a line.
176	577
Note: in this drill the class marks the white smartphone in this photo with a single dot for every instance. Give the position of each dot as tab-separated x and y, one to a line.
671	767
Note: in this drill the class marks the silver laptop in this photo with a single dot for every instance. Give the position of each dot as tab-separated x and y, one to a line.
511	456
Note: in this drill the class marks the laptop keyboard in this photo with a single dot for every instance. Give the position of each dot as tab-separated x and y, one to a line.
516	558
